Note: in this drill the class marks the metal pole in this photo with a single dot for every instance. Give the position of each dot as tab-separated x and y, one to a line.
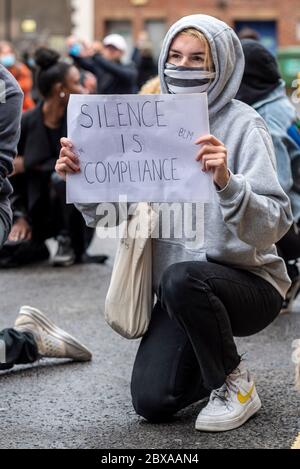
8	19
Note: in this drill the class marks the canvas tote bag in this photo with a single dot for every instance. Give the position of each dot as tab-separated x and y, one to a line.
129	300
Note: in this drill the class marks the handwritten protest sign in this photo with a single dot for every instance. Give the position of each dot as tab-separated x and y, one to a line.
140	147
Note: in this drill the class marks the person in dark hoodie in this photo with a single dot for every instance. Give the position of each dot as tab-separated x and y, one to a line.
33	335
263	88
234	282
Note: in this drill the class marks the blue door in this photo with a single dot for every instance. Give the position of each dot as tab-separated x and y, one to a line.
266	29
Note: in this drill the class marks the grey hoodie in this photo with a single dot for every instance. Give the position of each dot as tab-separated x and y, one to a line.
11	100
252	213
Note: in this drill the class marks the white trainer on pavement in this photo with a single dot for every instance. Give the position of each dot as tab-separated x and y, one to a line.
52	342
232	405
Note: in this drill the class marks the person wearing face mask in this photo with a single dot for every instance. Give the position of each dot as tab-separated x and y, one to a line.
113	76
20	71
234	282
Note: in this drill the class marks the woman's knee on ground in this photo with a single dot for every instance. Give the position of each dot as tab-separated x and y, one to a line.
152	403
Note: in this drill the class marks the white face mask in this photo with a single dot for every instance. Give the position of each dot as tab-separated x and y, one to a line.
187	79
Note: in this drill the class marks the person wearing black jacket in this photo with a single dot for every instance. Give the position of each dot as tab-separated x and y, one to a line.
113	76
39	200
34	165
41	131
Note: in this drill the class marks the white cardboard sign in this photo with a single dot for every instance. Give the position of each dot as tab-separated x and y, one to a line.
138	147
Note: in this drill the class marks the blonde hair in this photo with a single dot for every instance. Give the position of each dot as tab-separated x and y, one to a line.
151	87
208	60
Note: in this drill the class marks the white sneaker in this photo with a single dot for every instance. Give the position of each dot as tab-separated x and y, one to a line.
65	256
232	405
52	342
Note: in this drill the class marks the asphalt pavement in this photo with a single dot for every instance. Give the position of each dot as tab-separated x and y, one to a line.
66	405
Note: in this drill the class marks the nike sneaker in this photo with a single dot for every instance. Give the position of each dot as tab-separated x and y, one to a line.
232	405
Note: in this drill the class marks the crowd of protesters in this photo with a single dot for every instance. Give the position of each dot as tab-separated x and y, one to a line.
47	79
39	198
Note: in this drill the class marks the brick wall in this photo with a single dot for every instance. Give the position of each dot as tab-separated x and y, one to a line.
53	18
285	12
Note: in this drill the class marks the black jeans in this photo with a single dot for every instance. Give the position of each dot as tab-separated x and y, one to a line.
20	348
189	348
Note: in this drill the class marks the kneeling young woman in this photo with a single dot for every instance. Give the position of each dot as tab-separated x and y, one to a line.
234	283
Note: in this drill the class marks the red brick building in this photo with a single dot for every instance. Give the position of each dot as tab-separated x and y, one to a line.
278	21
30	20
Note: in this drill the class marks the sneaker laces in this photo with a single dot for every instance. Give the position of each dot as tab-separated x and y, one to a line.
222	396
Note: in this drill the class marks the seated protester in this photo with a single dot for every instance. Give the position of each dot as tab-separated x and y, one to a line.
113	76
42	129
25	244
233	283
264	90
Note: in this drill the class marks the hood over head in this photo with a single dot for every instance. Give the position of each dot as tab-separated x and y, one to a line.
261	75
227	55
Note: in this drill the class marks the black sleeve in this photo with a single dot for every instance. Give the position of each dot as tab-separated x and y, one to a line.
87	64
127	73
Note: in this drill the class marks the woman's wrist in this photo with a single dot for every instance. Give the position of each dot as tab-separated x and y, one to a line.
222	181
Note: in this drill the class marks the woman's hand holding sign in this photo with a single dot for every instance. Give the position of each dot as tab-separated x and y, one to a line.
213	155
68	162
